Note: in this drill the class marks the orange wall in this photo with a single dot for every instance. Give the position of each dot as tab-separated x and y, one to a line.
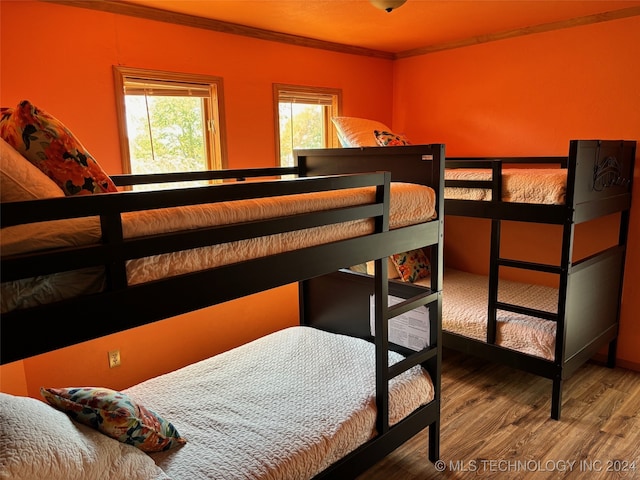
61	59
529	96
159	347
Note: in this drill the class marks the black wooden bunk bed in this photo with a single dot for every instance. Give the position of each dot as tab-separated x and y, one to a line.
119	305
562	327
585	313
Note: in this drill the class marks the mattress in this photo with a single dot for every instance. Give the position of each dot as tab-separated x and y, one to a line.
524	185
285	406
409	204
464	311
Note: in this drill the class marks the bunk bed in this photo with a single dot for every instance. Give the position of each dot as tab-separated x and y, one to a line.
116	300
542	330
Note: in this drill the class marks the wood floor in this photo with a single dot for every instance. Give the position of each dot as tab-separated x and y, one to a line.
495	424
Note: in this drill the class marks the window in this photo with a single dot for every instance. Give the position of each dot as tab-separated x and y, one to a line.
303	119
169	122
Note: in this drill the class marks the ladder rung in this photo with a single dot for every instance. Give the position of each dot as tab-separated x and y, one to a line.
412	303
532	312
539	267
411	361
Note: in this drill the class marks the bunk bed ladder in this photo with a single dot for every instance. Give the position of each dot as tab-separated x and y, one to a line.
434	300
562	270
384	372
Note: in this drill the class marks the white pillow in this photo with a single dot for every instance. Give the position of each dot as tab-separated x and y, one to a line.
38	441
21	180
357	132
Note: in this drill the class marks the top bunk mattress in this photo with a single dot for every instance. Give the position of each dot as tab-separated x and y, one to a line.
409	204
285	406
545	186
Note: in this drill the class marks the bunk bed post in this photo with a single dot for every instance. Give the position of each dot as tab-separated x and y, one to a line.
437	281
381	316
494	255
567	250
556	397
622	242
494	273
612	352
436	338
382	344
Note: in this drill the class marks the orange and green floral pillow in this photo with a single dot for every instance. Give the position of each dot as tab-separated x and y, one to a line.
412	265
116	415
50	146
389	139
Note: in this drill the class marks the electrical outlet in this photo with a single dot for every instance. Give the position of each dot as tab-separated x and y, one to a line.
114	358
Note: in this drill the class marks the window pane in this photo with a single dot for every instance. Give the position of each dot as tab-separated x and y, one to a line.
166	134
301	126
169	121
304	119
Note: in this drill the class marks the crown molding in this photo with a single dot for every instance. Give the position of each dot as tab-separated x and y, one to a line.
150	13
519	32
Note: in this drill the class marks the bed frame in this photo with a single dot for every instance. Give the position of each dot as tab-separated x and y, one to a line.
416	165
599	183
149	302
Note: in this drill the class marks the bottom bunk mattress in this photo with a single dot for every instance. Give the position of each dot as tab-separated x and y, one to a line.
464	312
285	406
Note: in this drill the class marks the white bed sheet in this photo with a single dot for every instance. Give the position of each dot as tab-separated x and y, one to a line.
545	186
285	406
409	204
464	311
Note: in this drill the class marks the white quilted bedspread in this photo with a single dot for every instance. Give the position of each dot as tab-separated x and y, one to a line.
38	442
524	185
464	311
409	204
282	407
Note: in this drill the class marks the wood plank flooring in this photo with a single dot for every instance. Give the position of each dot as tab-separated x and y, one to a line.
495	423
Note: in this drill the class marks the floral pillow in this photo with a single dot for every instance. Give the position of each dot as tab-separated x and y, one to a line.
389	139
412	265
116	415
50	146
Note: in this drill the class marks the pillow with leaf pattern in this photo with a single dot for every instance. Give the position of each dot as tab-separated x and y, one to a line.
412	265
49	145
117	415
389	139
